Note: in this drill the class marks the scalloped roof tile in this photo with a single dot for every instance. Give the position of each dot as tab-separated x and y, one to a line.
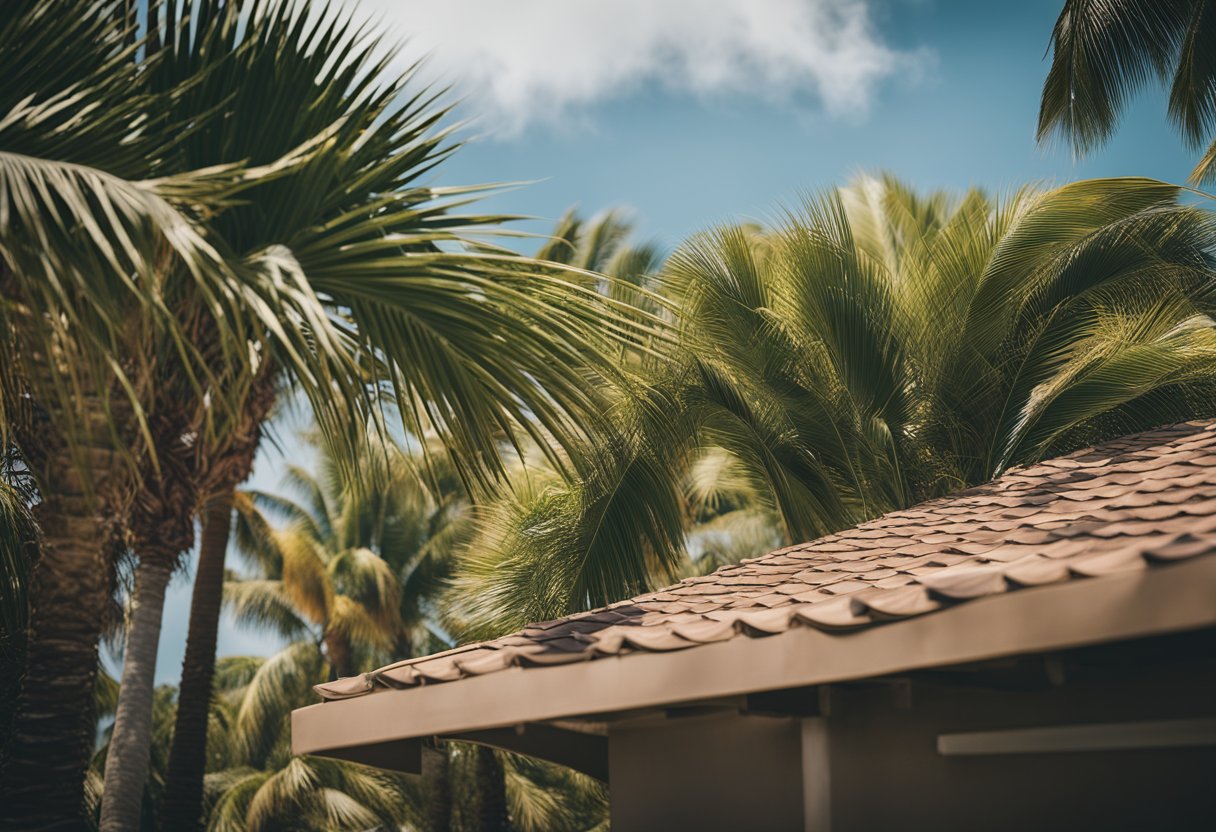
1121	506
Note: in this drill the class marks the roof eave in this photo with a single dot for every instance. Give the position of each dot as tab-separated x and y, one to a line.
1151	602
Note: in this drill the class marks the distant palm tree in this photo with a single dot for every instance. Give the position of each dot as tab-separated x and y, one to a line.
352	575
874	348
253	781
357	569
1105	52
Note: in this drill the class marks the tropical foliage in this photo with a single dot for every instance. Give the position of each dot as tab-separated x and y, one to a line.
356	570
145	304
212	210
872	348
253	782
348	577
1106	52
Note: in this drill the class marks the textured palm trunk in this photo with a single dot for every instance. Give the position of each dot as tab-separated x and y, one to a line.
491	792
220	474
52	733
131	740
183	804
42	776
437	786
161	528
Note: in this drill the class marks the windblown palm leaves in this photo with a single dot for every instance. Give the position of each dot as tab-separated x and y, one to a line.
143	301
872	349
1105	52
376	267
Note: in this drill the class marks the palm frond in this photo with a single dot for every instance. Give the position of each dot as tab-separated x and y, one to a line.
1101	57
264	604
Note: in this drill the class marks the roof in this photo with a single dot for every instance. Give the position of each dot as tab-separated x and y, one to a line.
1123	507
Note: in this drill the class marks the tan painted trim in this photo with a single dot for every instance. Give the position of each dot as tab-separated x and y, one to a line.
1161	599
1055	739
816	775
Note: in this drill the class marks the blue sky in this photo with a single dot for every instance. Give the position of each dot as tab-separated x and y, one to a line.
679	117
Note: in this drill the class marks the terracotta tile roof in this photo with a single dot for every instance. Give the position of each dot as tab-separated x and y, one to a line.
1122	506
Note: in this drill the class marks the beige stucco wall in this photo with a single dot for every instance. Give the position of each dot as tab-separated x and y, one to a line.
886	771
706	773
871	761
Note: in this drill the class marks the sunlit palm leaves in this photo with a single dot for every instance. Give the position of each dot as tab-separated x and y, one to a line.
385	281
357	567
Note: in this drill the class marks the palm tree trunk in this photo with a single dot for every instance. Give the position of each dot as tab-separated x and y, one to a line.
183	804
491	792
42	776
127	760
437	786
337	650
221	473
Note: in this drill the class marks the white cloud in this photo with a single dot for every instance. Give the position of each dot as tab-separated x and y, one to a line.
533	61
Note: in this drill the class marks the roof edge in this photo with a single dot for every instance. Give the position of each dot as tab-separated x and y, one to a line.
1169	598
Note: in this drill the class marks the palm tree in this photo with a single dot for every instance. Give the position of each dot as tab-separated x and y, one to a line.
98	244
873	349
428	315
112	248
248	787
253	781
357	568
353	576
1106	52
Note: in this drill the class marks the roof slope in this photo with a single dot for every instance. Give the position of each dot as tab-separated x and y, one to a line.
1121	506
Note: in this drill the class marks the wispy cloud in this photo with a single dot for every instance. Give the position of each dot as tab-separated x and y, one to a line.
523	62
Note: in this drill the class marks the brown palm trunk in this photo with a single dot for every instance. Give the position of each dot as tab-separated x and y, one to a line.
42	777
161	529
220	474
491	792
437	786
131	740
183	804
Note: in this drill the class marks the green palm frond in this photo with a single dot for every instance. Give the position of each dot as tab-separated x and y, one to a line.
415	308
230	794
1101	59
875	348
542	796
369	582
554	547
283	682
264	604
234	672
1106	52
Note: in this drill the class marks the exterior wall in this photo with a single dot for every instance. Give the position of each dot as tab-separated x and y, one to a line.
707	773
886	773
870	761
